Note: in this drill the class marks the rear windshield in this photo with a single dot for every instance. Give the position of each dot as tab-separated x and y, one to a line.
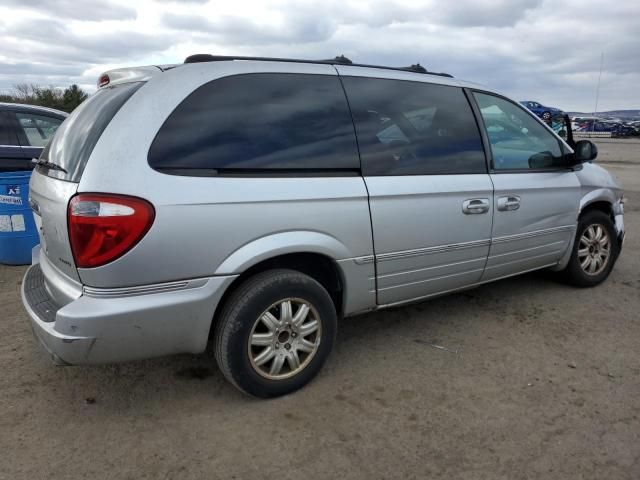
73	142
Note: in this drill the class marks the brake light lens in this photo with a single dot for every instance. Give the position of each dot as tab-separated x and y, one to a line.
103	227
103	80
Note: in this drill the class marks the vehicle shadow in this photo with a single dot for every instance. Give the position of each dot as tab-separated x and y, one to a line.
196	380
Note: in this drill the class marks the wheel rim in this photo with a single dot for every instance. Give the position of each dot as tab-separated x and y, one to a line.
284	339
594	249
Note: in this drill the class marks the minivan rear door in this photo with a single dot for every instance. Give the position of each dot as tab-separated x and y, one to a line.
431	198
52	186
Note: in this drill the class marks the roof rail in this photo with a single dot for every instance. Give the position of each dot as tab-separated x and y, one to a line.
416	68
339	60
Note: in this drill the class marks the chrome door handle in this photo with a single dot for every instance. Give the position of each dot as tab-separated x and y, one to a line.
508	203
475	205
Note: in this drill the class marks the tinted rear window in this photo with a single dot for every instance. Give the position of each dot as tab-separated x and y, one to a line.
74	141
259	122
414	128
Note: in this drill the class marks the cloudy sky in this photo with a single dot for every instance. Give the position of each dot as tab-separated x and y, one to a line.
545	50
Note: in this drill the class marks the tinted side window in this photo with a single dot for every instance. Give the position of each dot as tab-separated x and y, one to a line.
7	135
518	141
37	129
259	122
413	128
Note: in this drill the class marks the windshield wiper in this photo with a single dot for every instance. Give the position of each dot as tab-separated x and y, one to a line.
48	164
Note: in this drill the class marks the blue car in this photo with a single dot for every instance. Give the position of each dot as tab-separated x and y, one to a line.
540	110
24	131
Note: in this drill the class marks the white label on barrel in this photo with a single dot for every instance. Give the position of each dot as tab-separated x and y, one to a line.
18	223
5	223
9	200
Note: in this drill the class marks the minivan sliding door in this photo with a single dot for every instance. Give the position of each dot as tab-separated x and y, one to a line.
430	195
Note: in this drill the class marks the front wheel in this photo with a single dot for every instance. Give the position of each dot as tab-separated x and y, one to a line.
275	333
594	251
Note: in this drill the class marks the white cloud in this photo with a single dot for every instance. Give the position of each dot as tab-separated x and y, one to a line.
538	49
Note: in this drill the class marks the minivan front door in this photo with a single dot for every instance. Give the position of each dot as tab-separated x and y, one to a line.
537	196
430	196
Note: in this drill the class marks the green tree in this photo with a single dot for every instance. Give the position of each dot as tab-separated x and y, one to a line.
51	97
72	97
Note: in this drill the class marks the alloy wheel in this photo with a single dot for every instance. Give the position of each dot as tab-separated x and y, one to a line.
284	339
594	249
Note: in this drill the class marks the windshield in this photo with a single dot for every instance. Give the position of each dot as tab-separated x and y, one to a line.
74	141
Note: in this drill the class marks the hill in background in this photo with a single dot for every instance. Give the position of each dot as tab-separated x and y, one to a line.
622	114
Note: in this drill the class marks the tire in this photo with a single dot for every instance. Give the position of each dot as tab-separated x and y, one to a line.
254	368
575	273
546	116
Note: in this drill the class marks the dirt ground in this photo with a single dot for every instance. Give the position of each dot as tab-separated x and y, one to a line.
539	381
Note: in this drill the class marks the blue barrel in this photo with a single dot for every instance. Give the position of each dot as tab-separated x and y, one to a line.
18	233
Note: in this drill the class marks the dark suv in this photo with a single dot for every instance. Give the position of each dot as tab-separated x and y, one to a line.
24	131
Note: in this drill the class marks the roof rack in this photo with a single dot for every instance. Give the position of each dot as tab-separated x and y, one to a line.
339	60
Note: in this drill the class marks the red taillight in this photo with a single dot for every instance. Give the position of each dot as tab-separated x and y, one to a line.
103	80
103	227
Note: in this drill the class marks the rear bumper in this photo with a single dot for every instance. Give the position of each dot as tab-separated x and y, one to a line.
115	325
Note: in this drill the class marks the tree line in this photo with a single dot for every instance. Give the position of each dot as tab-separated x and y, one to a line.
65	100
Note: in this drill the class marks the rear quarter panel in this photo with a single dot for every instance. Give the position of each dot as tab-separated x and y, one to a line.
208	226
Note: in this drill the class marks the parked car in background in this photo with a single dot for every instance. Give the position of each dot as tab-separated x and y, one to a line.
24	131
256	202
540	110
617	128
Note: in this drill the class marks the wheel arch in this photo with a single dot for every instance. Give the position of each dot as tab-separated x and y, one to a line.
600	199
313	253
322	268
279	244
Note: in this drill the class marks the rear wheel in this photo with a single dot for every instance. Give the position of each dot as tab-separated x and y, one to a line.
594	250
275	333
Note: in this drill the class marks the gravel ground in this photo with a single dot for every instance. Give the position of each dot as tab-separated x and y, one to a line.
538	381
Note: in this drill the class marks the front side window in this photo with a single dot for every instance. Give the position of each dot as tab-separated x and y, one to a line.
259	122
414	128
37	129
518	141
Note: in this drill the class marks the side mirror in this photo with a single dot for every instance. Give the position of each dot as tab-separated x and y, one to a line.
541	160
585	151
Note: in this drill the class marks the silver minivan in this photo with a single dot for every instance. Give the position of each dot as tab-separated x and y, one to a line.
251	203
